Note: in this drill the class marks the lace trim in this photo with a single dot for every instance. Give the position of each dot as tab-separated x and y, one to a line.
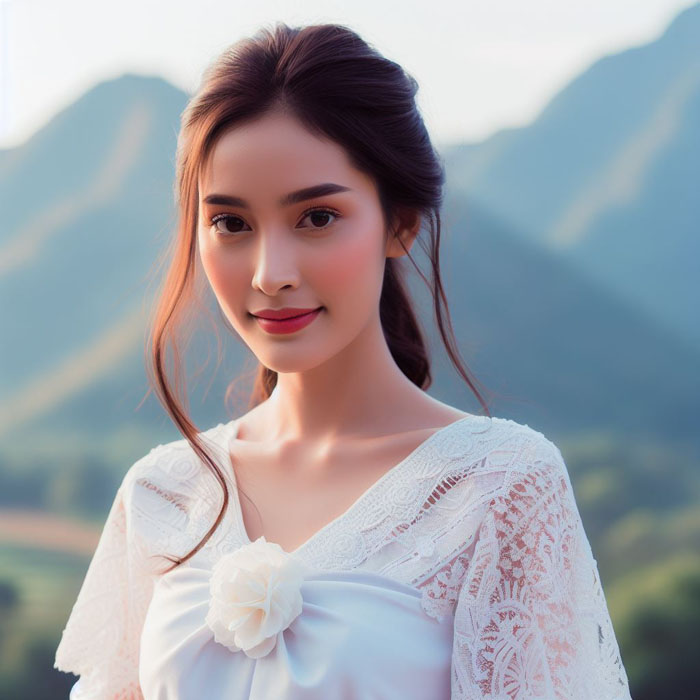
504	551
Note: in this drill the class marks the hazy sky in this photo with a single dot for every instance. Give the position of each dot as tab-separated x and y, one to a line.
481	64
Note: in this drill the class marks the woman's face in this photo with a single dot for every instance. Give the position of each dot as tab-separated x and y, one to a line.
261	252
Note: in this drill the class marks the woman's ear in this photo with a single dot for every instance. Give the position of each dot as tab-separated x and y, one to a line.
402	234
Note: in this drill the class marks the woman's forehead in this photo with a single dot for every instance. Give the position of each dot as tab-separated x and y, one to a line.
245	162
273	144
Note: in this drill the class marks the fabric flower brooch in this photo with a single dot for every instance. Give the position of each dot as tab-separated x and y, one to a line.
255	593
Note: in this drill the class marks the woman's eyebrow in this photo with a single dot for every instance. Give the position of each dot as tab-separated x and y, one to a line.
289	199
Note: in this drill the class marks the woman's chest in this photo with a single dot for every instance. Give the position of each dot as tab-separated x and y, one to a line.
292	497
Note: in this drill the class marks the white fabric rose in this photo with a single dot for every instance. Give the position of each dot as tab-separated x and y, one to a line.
255	593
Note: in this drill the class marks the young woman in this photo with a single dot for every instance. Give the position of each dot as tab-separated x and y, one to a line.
349	536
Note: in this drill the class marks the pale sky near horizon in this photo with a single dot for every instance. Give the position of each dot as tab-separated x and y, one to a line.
481	65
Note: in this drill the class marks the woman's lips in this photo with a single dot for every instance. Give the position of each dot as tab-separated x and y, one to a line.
288	325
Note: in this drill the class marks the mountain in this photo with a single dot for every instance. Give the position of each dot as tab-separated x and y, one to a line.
606	176
560	351
88	210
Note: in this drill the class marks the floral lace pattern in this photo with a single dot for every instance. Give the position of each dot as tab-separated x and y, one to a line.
481	518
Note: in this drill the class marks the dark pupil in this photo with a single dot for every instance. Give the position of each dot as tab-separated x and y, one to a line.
228	221
321	214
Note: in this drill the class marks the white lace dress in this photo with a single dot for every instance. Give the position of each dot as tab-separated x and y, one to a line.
462	573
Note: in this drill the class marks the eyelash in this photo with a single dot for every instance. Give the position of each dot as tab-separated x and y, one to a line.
325	210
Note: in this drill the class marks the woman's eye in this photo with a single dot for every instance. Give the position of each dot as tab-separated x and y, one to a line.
321	214
317	216
225	217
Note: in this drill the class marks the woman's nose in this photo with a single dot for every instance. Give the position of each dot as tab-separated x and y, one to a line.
274	264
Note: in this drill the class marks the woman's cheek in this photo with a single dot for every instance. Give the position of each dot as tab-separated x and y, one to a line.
214	268
353	262
224	278
207	257
349	277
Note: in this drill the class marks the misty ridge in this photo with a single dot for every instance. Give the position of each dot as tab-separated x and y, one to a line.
569	255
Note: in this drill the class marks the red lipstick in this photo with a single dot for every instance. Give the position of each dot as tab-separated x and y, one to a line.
288	320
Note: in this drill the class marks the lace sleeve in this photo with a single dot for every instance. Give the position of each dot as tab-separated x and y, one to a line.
531	620
100	642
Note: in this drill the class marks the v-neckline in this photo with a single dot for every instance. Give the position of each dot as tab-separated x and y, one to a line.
231	432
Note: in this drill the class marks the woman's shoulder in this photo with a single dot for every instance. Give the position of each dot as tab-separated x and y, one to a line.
508	454
170	495
176	462
507	437
531	466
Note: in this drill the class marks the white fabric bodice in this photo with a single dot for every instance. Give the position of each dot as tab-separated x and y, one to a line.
463	573
359	635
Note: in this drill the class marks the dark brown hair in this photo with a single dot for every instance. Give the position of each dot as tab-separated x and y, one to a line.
341	88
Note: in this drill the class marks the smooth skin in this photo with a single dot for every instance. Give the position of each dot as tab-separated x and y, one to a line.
342	413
